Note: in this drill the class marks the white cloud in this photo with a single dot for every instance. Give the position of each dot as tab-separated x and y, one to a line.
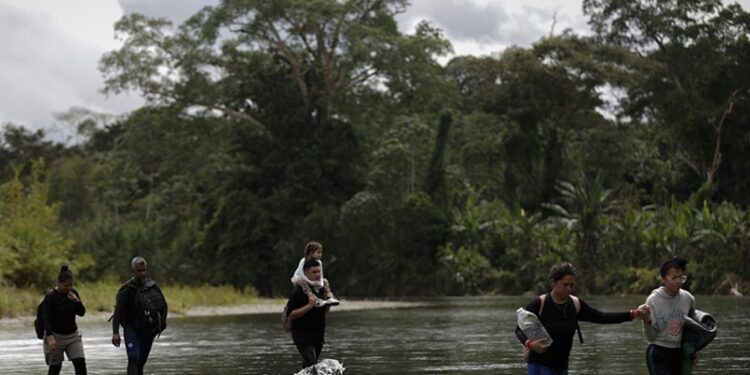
480	26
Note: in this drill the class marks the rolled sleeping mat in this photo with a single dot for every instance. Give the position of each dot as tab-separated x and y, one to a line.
696	334
698	331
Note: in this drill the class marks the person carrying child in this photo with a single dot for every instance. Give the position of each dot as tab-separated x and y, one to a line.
314	251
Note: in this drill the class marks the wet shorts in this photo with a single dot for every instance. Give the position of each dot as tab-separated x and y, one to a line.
71	345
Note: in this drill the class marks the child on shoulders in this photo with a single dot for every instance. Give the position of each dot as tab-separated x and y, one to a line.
314	250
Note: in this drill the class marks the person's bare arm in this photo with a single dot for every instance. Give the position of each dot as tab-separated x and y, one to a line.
299	312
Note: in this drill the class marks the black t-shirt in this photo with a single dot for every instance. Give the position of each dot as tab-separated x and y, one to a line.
560	322
314	321
59	312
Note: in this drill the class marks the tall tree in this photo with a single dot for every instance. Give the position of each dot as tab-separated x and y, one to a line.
696	82
329	49
300	74
544	96
434	183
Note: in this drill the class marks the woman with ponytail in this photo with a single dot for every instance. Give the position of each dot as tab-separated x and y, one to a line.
61	335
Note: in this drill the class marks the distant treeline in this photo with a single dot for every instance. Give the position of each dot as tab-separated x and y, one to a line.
269	124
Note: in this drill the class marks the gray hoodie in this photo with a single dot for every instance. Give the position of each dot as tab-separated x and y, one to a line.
667	316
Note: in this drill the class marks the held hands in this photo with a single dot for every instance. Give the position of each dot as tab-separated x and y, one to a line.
643	312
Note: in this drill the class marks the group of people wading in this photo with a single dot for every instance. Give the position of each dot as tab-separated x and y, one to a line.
140	309
304	316
663	316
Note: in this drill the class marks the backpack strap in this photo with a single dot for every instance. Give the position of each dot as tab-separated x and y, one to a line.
577	303
541	305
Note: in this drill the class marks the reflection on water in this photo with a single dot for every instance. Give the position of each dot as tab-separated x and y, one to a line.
451	336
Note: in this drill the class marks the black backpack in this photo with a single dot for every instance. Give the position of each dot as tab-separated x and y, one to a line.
151	309
39	321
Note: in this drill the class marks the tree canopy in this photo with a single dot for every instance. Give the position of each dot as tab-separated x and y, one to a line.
270	124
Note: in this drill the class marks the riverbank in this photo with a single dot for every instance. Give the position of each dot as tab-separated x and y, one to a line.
100	297
260	306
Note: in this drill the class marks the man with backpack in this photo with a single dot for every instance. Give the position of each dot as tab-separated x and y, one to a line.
141	309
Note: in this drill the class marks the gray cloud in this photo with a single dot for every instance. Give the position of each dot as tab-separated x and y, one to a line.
46	69
466	20
174	10
42	69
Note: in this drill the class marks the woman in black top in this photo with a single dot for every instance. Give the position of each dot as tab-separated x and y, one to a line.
560	313
61	305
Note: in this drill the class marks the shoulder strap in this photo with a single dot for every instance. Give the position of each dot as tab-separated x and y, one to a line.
541	305
576	302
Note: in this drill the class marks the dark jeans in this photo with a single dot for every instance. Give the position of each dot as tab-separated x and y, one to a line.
309	346
138	345
537	369
663	361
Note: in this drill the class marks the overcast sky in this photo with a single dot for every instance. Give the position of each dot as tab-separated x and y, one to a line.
49	49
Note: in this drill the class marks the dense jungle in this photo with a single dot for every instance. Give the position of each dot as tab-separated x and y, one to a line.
423	173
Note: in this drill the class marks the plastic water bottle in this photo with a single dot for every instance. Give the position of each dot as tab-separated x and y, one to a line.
532	327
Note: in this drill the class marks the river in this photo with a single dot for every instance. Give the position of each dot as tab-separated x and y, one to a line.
467	335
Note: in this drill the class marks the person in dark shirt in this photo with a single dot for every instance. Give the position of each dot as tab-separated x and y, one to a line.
308	321
560	316
61	335
137	342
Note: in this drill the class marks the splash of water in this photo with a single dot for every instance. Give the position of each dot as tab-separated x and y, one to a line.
324	367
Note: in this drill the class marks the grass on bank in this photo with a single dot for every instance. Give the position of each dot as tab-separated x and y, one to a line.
100	296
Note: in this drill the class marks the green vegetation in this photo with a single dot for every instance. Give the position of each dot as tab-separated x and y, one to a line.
100	297
269	124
